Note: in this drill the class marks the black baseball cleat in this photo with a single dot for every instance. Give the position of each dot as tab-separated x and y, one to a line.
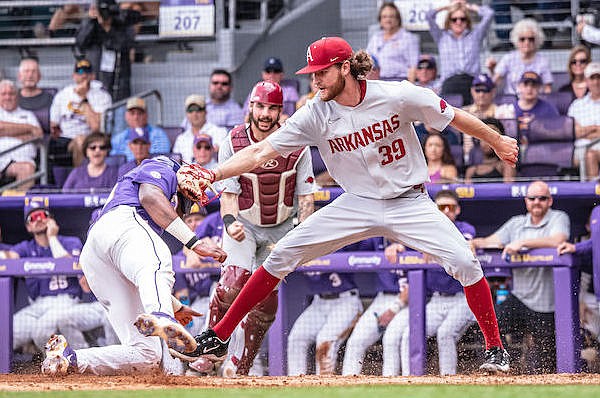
497	360
209	346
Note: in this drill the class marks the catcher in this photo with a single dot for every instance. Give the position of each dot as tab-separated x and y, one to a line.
128	267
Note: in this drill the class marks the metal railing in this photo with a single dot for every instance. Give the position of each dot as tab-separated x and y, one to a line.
107	123
42	173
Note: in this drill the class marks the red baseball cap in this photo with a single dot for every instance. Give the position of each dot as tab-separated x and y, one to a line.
326	52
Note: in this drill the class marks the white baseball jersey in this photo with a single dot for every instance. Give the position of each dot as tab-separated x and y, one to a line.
65	110
371	149
25	153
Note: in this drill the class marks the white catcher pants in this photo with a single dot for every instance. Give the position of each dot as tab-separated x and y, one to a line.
128	267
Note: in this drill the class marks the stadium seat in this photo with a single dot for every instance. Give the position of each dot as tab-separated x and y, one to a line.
561	101
560	79
550	144
172	133
511	127
505	99
60	174
456	100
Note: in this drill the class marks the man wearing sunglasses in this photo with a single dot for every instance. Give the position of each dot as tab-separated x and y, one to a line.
49	296
530	306
128	267
196	114
76	111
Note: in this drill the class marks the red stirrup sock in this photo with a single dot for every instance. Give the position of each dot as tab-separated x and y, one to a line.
480	301
258	287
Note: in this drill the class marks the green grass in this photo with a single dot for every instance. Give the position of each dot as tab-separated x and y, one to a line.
425	391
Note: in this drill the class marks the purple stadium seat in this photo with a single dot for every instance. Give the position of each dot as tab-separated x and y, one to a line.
457	154
560	79
60	174
561	101
172	133
115	160
511	127
550	144
505	99
456	100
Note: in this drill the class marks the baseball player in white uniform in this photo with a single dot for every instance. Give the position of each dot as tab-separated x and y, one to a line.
365	135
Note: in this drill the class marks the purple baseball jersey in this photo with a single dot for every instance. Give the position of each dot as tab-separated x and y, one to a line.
159	171
57	284
437	279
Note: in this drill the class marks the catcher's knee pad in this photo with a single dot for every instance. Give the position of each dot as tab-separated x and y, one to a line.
233	278
255	327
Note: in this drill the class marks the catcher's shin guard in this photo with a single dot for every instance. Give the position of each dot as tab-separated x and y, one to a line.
233	278
255	327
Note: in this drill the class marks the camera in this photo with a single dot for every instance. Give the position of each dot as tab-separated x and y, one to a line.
590	16
107	8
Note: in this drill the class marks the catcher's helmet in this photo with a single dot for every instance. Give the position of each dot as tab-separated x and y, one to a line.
267	93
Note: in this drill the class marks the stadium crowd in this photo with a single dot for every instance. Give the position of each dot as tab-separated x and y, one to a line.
517	96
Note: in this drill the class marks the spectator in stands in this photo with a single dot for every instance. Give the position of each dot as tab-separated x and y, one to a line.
447	312
440	163
483	91
197	115
273	71
16	125
137	118
96	173
459	45
395	49
107	38
30	96
588	32
425	73
76	111
527	37
579	58
586	112
204	150
48	295
490	167
221	109
139	143
311	94
529	308
529	105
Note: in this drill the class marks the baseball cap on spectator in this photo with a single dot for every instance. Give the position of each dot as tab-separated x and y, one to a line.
197	209
531	77
592	69
426	62
203	138
136	103
139	133
273	64
195	99
326	52
483	79
83	66
37	212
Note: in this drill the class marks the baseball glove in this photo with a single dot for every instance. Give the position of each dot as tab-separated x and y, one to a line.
193	180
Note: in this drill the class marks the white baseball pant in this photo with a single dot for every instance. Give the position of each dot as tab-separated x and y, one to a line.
324	322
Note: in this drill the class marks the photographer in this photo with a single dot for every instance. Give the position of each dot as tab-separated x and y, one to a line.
106	38
589	33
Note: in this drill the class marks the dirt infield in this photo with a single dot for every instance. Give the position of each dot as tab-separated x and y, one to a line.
28	382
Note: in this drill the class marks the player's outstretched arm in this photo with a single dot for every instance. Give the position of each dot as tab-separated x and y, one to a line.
162	213
245	160
505	147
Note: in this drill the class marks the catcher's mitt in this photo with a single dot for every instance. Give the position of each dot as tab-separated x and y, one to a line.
193	180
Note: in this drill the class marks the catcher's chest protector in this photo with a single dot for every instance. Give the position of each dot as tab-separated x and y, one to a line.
267	196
